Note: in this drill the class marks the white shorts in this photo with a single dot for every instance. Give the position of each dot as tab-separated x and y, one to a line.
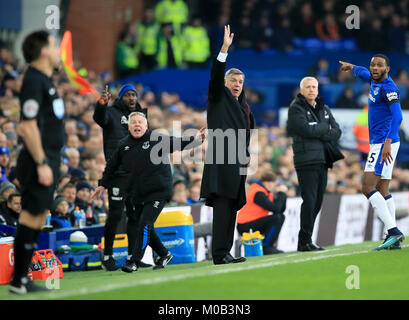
374	156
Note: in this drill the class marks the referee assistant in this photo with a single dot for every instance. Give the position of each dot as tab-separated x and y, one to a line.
37	170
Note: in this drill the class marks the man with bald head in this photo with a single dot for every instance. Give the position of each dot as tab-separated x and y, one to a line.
312	127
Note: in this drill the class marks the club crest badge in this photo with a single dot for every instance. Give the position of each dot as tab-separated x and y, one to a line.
145	145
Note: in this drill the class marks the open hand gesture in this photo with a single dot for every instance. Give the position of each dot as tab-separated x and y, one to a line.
227	40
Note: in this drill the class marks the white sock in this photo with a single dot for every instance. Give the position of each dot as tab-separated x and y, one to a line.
381	209
391	206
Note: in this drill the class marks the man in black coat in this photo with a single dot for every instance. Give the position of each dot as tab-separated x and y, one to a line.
314	131
224	175
114	123
142	160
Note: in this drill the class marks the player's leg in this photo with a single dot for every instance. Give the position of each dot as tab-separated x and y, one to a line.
374	171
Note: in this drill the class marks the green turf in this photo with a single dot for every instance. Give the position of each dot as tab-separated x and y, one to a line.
303	275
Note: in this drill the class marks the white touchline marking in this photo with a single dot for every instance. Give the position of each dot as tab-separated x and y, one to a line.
204	271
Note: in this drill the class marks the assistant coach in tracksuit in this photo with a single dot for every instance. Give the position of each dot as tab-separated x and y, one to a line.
114	123
313	128
142	158
224	174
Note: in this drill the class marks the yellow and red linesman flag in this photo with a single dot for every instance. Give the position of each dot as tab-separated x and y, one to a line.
77	80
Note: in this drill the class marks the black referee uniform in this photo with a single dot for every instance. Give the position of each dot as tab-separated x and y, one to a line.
39	100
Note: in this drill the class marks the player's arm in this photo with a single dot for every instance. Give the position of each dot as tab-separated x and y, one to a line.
392	98
360	72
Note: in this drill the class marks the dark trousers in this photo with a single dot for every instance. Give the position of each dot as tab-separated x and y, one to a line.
224	220
117	202
146	235
269	226
313	183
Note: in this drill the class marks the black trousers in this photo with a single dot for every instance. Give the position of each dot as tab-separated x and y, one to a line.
224	220
117	202
269	226
313	183
146	235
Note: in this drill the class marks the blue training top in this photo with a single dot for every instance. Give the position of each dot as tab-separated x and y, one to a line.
384	110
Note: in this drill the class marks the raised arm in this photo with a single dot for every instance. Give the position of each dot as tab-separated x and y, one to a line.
100	115
216	83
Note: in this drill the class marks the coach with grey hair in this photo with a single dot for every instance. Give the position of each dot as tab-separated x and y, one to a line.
315	133
224	175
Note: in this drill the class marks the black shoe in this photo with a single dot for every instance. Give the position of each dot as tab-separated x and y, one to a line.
142	264
26	286
109	265
309	247
228	258
271	250
129	267
161	262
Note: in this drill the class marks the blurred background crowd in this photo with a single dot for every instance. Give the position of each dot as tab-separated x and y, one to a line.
173	35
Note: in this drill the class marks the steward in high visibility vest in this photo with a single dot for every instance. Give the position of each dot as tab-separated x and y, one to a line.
256	212
172	11
169	48
148	41
126	56
361	133
196	44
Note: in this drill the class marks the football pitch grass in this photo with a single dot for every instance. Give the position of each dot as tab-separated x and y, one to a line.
340	272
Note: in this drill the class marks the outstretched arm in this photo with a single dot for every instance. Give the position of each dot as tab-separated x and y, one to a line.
360	72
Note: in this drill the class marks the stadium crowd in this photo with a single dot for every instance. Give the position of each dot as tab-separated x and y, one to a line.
83	159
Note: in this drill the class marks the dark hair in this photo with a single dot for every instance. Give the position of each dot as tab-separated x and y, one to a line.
380	55
33	44
268	177
12	196
68	185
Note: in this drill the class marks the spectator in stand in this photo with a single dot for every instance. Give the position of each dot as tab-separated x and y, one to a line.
346	99
60	215
194	195
69	193
304	21
6	189
247	34
283	36
4	162
73	157
3	140
83	200
327	28
10	210
264	34
402	78
321	71
396	34
260	202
